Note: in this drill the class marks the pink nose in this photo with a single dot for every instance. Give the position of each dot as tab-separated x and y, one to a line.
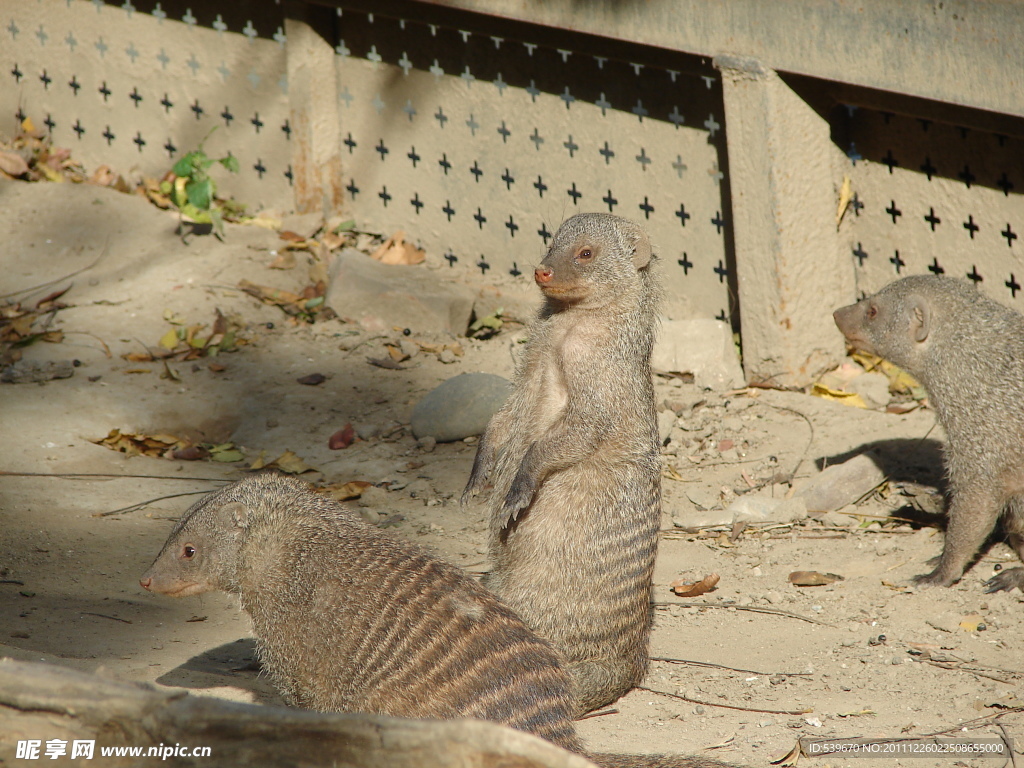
144	583
543	274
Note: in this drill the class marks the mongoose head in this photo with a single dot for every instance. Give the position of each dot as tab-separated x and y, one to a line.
897	323
202	552
593	257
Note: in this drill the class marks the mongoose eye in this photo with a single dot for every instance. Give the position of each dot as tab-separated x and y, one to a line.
188	551
585	255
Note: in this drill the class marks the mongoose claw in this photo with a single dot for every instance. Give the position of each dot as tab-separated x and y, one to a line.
519	496
934	579
1005	581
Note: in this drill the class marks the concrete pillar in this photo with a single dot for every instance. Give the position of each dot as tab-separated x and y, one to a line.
791	271
316	129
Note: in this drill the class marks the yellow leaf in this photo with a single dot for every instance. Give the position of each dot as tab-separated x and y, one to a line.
971	622
28	126
260	461
291	463
847	398
49	173
845	196
170	339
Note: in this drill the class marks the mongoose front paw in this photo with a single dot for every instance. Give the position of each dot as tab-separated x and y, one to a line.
472	489
934	579
519	495
1005	581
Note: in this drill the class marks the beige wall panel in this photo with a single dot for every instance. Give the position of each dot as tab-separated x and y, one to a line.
485	172
931	197
99	56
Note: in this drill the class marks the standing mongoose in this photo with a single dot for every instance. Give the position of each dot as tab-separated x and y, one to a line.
350	619
968	353
574	463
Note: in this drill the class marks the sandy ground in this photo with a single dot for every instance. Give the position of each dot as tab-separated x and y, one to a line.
833	660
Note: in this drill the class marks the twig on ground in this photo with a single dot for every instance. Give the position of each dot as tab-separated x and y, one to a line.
723	666
105	616
141	504
87	475
726	706
753	609
599	713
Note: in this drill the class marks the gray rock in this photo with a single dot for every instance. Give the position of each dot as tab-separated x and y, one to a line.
753	508
840	484
380	296
460	407
366	431
29	372
873	387
702	347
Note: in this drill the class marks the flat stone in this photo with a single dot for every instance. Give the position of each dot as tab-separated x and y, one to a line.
753	508
30	372
873	387
840	484
380	296
702	347
460	407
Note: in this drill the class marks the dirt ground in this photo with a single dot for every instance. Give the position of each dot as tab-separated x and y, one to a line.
772	662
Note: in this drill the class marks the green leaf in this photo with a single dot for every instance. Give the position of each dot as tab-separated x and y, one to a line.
184	166
230	162
345	226
200	194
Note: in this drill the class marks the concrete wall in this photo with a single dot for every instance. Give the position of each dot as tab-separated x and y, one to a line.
786	156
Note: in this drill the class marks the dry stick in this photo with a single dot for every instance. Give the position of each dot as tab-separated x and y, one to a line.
753	609
41	286
104	616
809	425
106	349
734	669
599	713
1008	741
141	504
977	722
958	668
726	706
86	475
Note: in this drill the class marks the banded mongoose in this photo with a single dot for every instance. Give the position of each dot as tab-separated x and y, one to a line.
968	352
574	462
349	619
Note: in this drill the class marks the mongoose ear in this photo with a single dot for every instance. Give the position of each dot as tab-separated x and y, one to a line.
920	318
238	514
641	246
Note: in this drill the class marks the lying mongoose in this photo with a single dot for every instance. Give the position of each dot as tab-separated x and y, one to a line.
574	463
350	619
968	353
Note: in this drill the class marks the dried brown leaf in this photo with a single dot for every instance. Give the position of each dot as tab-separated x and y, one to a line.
685	588
13	164
348	491
342	439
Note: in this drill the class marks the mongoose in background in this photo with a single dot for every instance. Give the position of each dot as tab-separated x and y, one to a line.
350	619
574	462
968	352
